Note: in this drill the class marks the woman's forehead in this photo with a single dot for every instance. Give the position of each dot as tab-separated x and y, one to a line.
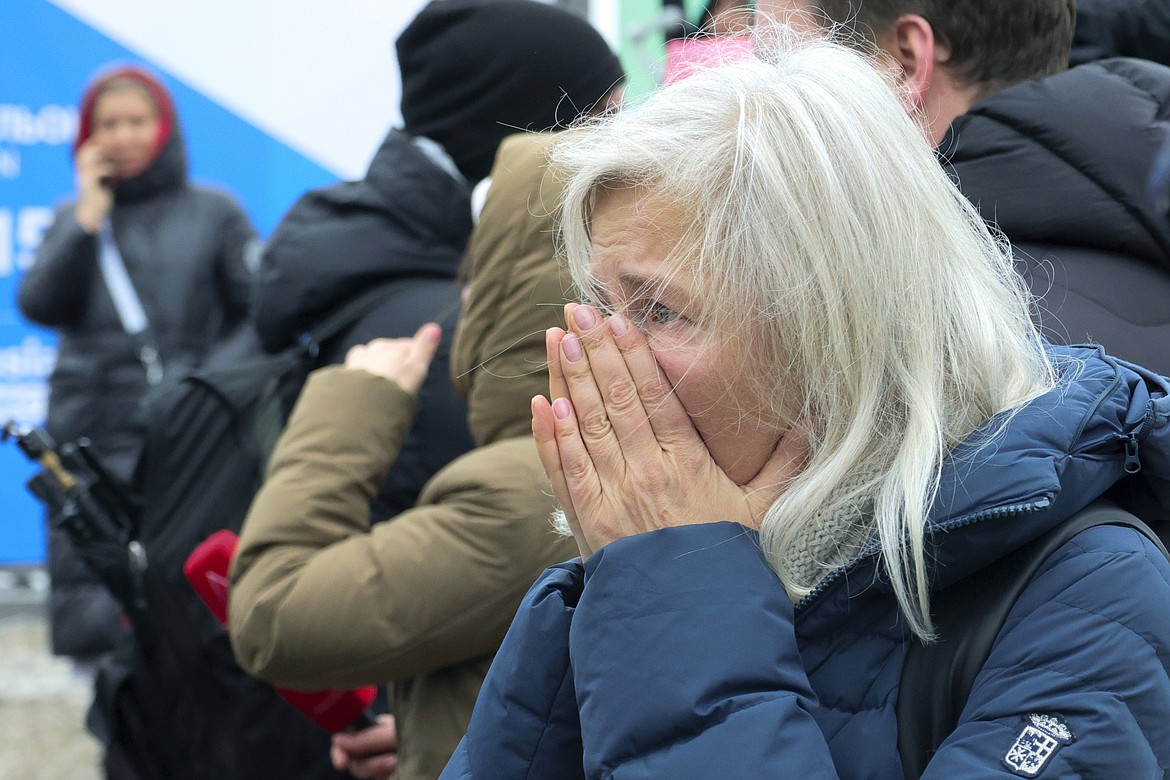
636	251
121	91
636	217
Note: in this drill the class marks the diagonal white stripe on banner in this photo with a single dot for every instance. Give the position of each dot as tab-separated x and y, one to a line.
318	75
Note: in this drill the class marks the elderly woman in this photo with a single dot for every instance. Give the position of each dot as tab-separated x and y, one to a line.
806	395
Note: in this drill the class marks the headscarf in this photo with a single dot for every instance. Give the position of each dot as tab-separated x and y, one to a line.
169	167
95	89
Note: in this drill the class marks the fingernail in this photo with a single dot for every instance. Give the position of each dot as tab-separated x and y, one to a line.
618	324
584	317
561	409
572	347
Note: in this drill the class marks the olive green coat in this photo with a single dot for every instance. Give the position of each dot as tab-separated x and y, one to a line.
319	597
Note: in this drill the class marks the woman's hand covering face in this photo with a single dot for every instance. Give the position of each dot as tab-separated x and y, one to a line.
620	450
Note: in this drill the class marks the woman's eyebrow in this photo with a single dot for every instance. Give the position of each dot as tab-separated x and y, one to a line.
635	284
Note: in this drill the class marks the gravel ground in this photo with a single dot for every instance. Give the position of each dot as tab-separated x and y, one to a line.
42	699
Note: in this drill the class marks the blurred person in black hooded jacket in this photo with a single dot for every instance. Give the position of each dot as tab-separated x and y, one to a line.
185	249
473	72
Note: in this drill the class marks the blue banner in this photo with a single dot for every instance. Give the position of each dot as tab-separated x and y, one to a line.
46	58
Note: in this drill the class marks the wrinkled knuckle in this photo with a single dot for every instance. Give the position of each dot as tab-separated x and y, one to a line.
655	393
575	470
577	371
623	396
565	434
595	425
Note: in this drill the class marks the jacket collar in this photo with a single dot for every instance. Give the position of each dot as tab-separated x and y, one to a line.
1022	475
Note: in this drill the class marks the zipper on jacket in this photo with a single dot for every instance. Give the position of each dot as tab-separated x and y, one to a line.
1132	442
1104	394
1133	464
1043	502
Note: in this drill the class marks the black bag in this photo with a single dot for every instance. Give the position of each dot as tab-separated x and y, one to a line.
172	702
937	679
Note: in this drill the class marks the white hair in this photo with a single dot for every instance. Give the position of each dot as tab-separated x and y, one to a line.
886	317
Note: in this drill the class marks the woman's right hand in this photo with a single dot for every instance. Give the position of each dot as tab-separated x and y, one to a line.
95	195
621	451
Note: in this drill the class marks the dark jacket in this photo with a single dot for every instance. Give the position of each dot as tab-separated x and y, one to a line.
1121	28
1061	165
403	226
185	249
677	653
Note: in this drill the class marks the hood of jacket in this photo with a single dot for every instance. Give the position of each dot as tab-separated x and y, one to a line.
1104	428
517	291
167	172
168	169
406	218
1066	160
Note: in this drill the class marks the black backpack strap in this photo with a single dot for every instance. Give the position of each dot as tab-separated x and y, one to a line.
350	312
937	679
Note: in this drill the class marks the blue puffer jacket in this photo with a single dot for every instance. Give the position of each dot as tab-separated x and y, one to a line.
676	653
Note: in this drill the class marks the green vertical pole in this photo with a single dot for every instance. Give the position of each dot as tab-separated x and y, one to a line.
642	46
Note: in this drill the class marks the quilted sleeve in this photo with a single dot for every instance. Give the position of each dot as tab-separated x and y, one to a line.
686	665
525	723
1077	684
53	291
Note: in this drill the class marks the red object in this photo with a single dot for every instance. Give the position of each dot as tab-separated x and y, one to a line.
207	570
333	711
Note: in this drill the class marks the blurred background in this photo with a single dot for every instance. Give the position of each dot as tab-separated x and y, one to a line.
275	97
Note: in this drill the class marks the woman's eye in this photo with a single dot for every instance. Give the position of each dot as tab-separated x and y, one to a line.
661	315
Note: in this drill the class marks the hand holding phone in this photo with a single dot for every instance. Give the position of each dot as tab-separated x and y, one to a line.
96	177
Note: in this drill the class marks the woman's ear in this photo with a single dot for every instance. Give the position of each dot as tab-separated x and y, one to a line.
910	41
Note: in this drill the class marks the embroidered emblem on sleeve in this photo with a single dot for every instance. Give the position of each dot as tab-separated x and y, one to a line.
1039	740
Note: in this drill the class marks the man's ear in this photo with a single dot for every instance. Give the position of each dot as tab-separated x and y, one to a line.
910	41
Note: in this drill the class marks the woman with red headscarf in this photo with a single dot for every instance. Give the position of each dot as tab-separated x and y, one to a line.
183	250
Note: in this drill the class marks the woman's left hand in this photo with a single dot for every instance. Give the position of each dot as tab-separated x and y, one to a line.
619	448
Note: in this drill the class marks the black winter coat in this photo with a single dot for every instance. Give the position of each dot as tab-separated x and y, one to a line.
1061	165
185	248
405	226
1121	28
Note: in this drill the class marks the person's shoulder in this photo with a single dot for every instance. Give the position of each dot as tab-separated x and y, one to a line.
528	147
1115	80
1108	571
1148	78
214	196
524	189
516	456
504	473
524	157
